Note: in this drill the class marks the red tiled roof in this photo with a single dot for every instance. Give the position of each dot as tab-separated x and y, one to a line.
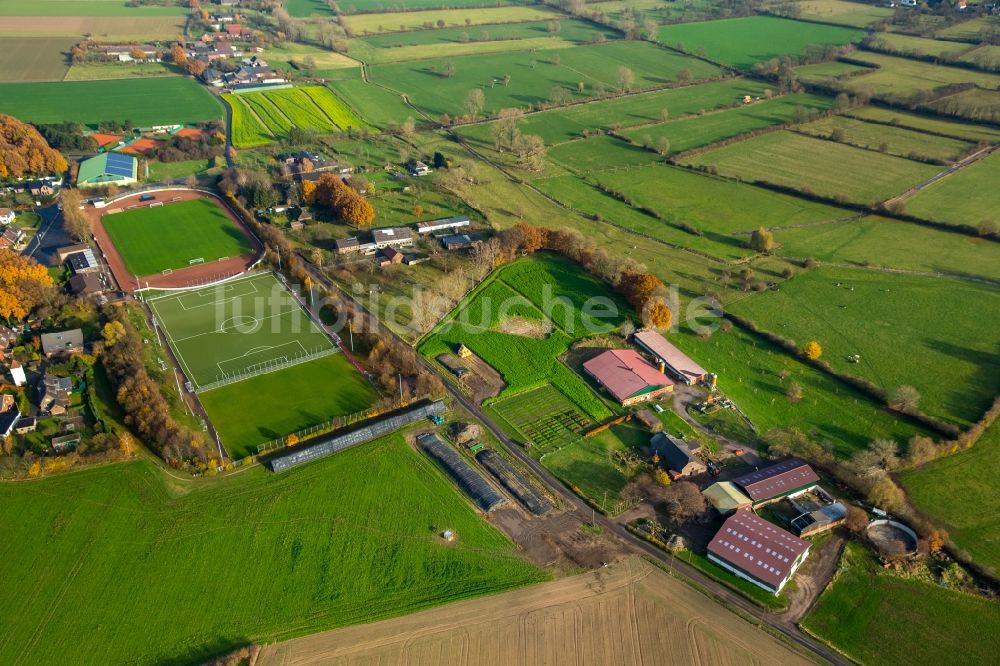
670	354
777	479
624	373
753	545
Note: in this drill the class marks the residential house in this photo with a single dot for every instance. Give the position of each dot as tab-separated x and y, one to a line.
389	256
628	376
677	455
9	415
83	262
55	393
787	478
10	237
418	168
212	77
17	373
26	424
238	31
40	188
86	284
6	216
675	362
62	341
757	551
444	223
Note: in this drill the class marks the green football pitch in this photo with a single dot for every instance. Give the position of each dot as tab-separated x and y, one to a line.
153	240
238	329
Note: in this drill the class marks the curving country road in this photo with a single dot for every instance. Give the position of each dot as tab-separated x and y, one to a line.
787	628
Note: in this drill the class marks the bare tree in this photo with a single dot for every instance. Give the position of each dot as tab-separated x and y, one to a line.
683	502
626	79
76	222
474	102
905	398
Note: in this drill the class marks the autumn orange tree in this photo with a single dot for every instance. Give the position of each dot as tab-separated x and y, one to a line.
23	151
331	193
657	314
812	350
24	283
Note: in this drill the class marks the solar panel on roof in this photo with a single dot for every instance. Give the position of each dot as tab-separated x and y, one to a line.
118	165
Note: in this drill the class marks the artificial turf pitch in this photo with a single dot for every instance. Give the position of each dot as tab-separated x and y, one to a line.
153	240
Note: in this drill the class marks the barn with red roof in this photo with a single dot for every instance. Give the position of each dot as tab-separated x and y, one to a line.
626	375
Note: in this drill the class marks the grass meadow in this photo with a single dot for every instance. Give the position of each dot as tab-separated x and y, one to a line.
151	240
533	75
882	242
688	133
373	6
306	8
901	77
938	335
365	24
123	564
897	141
296	398
879	618
90	102
570	122
920	46
969	196
974	104
927	124
841	12
382	108
600	153
826	168
751	372
741	42
959	493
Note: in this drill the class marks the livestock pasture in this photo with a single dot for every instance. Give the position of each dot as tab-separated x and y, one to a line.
260	117
291	406
973	104
892	140
756	374
823	71
326	63
151	240
741	42
569	31
565	123
237	328
366	24
928	124
661	12
899	78
958	492
628	613
901	326
829	169
876	617
279	547
966	197
688	133
34	58
881	242
841	12
920	46
972	29
600	153
533	75
91	102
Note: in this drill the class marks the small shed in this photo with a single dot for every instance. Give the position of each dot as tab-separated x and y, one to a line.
726	498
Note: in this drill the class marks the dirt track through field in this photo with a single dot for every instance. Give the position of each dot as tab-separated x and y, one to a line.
629	614
182	277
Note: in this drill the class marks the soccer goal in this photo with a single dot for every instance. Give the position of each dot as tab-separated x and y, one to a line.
199	260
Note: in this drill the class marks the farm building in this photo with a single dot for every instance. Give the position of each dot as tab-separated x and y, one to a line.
677	455
675	362
461	241
784	479
108	169
6	215
726	497
472	482
628	376
389	256
819	520
392	237
62	341
445	223
757	551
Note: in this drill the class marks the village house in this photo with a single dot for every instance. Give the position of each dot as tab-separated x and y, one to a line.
26	424
55	394
9	415
83	262
628	376
757	551
62	342
389	256
677	455
86	284
17	373
6	216
10	237
418	168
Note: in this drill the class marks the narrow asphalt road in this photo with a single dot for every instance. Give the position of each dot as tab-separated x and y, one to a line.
716	590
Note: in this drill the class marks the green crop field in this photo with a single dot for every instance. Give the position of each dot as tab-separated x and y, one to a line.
290	406
365	24
959	493
741	42
261	117
533	75
824	167
151	240
969	196
879	618
715	205
90	102
966	131
121	564
853	14
889	243
544	417
756	375
34	58
902	327
565	123
688	133
382	108
237	328
895	140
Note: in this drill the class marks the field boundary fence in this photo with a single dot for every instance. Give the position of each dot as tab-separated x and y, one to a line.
331	425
